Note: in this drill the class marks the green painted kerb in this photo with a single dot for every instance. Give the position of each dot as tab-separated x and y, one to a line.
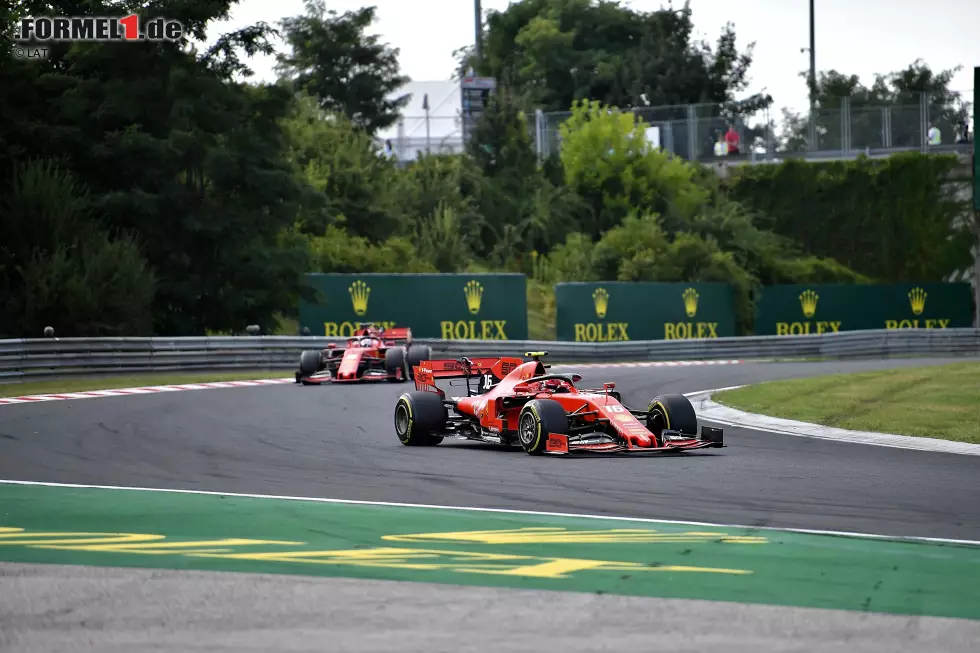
129	528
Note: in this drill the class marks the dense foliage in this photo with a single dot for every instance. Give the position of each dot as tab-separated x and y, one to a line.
149	189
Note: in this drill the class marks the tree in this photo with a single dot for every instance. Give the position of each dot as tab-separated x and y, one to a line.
611	165
333	59
174	151
888	113
522	209
555	52
59	267
344	165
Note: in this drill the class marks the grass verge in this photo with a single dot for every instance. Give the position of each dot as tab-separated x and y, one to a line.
131	381
934	402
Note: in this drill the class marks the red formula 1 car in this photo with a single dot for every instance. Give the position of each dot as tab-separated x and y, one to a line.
520	402
372	354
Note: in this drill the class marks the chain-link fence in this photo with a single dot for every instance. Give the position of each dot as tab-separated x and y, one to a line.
707	132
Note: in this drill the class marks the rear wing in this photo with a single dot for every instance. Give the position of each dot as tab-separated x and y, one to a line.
427	372
397	334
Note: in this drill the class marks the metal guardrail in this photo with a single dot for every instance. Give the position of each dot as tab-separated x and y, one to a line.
51	357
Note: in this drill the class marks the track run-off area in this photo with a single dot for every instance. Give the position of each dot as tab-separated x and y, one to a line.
705	531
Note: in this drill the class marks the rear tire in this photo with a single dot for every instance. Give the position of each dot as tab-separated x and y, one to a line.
309	362
395	362
417	354
674	412
420	419
539	419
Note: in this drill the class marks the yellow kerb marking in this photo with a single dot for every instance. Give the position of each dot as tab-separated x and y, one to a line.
164	548
458	561
563	536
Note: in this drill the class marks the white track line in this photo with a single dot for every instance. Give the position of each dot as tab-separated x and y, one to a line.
391	504
143	390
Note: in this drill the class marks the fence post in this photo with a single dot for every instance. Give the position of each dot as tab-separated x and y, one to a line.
540	123
692	132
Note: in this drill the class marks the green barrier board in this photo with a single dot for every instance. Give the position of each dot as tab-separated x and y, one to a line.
446	306
804	309
623	310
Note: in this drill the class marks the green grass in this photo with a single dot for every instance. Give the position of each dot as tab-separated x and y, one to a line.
934	402
131	381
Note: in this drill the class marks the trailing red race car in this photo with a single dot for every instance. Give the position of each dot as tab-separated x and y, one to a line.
372	354
517	401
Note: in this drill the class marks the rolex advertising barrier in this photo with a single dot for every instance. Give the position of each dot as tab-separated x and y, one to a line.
52	357
443	306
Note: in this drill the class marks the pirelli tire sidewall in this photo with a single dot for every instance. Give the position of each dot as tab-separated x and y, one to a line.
538	419
674	412
420	419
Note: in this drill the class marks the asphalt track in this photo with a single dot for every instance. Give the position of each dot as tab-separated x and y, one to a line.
339	442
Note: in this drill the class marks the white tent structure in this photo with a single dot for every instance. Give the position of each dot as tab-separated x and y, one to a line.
430	121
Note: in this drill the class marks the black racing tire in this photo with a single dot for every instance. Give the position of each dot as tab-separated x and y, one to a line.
539	419
420	419
395	360
674	412
417	354
310	362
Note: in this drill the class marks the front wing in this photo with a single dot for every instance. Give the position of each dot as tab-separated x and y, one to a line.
325	378
676	442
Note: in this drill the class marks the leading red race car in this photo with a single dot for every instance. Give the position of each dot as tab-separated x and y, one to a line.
518	401
372	354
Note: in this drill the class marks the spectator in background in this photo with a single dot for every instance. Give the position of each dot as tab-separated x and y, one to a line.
963	133
934	136
731	138
721	147
389	150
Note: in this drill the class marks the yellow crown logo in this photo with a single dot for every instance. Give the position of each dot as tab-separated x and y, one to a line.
808	301
691	301
917	298
474	295
359	292
601	300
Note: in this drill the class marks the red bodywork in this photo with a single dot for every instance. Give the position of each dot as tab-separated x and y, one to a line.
363	359
607	425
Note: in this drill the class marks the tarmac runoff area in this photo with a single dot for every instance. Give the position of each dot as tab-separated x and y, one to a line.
51	608
167	606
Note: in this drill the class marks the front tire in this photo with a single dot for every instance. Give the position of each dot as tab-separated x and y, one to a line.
395	364
539	419
309	362
417	354
420	419
673	412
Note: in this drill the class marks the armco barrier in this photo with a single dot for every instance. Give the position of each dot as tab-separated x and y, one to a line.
49	357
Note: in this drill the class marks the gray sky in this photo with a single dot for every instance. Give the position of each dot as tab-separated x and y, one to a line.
862	37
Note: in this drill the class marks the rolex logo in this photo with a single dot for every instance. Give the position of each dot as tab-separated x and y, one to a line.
474	295
601	300
917	298
808	301
690	301
359	292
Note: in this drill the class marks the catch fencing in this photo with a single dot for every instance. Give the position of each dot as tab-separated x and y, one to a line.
53	357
